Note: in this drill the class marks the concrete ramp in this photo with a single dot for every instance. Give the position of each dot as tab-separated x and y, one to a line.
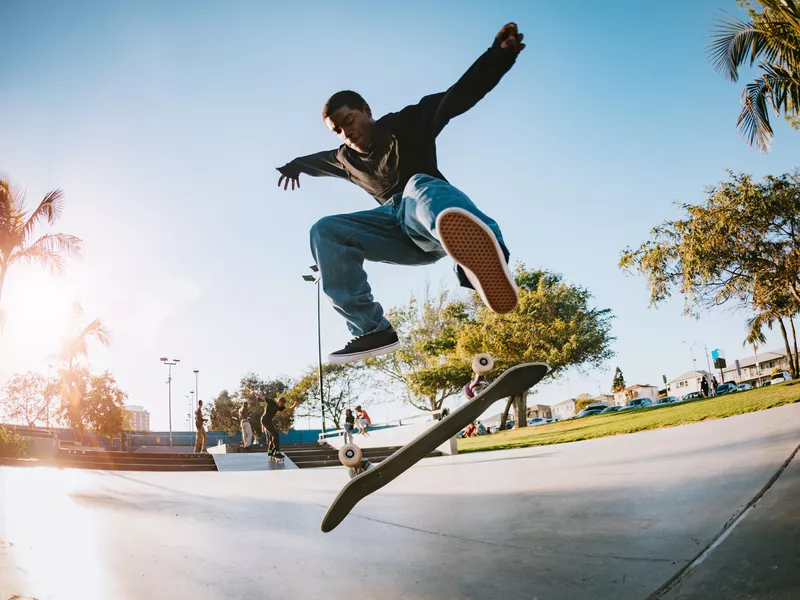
247	461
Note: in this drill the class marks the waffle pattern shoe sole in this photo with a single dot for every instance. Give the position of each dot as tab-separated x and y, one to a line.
474	246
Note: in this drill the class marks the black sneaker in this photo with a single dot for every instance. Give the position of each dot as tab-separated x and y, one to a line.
366	346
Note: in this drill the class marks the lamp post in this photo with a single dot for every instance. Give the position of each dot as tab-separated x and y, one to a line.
196	393
317	280
691	353
191	407
170	364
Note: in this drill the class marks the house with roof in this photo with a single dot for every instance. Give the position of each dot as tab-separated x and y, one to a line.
563	410
757	369
688	382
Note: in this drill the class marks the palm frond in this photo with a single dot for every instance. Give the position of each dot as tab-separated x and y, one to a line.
733	41
50	251
753	121
49	209
98	331
789	10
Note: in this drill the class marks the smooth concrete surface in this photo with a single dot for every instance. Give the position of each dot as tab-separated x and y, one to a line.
613	518
394	436
249	461
760	558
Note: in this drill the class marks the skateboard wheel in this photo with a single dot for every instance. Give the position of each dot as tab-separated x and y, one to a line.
350	455
468	391
482	364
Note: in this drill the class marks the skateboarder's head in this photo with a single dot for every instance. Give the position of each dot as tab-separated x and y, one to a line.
282	401
349	116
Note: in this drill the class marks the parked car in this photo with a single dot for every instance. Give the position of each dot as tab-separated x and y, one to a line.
532	422
638	403
611	409
692	396
743	387
666	400
725	388
780	377
591	410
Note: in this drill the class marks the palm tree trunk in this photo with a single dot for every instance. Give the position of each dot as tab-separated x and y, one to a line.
788	348
3	270
521	410
504	418
794	340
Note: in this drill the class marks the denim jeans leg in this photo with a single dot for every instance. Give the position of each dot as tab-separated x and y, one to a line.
424	197
340	245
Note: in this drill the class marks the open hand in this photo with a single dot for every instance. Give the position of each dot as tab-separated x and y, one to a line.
510	38
285	179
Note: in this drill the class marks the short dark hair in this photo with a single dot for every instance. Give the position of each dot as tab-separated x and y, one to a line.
344	98
281	399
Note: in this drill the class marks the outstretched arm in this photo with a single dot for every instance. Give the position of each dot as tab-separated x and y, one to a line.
320	164
479	80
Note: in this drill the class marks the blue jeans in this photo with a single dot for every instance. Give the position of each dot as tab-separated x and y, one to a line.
401	232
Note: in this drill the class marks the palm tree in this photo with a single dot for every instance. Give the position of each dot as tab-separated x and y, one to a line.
77	346
771	38
74	348
756	338
16	234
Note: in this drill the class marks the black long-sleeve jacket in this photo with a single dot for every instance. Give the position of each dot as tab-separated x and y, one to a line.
404	142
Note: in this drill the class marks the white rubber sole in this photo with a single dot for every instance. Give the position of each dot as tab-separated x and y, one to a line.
341	359
475	248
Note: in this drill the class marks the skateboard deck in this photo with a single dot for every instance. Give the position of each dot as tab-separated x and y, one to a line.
512	382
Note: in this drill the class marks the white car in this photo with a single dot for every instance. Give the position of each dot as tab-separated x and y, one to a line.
780	377
743	387
536	421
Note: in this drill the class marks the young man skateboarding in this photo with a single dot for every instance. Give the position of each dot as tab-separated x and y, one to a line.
273	438
421	217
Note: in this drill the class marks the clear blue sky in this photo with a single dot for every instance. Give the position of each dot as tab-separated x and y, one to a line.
164	121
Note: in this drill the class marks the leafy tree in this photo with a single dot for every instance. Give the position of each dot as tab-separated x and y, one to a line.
618	384
271	389
17	229
26	399
423	366
94	403
223	413
771	38
103	407
554	323
12	445
741	246
343	385
582	402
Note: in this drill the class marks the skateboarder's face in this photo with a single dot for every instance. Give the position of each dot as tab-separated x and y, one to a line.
352	126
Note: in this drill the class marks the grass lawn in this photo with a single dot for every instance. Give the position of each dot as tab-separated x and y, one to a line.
638	419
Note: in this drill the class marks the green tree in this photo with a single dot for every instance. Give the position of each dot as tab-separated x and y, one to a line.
741	246
270	389
17	228
103	407
12	445
223	413
618	384
554	323
25	399
582	401
423	367
343	385
770	38
95	404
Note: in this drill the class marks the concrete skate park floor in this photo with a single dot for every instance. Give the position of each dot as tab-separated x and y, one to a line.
609	518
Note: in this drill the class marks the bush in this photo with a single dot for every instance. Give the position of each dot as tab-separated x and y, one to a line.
12	445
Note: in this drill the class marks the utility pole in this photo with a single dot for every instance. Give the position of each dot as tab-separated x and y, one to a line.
318	281
170	364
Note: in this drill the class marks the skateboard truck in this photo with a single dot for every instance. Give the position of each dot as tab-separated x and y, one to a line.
351	456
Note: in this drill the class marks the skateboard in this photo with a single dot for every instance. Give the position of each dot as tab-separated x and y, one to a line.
367	478
277	459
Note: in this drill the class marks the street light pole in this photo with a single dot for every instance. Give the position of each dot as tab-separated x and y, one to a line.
317	280
170	364
691	353
196	393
